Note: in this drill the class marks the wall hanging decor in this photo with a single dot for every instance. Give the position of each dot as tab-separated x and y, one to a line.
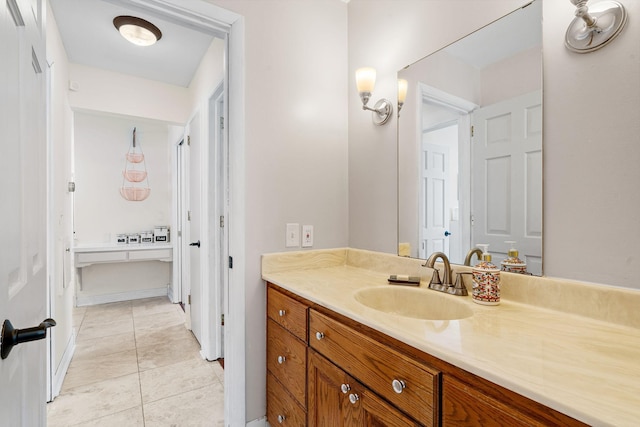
135	180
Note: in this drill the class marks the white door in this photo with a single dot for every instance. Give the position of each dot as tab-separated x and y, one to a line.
434	197
182	243
193	217
23	212
507	178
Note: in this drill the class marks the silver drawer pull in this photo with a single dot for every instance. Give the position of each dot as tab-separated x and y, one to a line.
281	359
398	386
319	335
345	388
281	418
353	398
282	313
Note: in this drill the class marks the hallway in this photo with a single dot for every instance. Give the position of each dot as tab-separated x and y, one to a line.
135	364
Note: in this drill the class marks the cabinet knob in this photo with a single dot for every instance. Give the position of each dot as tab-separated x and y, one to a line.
281	418
282	313
398	386
281	359
345	388
353	398
319	335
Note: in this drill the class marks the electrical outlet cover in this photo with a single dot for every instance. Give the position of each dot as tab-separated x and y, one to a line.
307	236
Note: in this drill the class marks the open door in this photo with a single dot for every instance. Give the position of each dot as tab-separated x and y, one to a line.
23	268
196	240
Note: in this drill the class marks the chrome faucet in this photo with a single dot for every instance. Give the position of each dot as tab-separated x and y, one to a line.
435	282
477	251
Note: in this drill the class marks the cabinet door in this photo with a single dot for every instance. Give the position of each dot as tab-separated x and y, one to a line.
336	399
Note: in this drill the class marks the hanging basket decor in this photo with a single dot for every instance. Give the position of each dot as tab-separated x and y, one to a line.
135	180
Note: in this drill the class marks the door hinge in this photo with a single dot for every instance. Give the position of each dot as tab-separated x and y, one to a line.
188	139
221	122
472	130
230	262
189	299
188	215
221	221
222	320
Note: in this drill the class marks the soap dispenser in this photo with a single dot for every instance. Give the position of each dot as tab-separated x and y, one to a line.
513	264
486	280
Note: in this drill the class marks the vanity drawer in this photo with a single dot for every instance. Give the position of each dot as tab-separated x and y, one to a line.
282	409
289	313
377	366
287	360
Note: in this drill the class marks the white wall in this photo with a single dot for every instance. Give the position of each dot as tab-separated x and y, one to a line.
296	144
591	119
101	143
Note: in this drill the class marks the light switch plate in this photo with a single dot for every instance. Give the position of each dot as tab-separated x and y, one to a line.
307	236
293	235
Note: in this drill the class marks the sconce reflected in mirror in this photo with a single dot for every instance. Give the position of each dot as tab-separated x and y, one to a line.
365	82
595	27
402	93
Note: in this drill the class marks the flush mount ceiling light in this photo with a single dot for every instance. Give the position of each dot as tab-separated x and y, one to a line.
137	30
594	27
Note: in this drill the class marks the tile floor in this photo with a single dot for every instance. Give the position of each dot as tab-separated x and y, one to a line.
135	364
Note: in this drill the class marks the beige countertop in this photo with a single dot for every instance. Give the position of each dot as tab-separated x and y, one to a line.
586	368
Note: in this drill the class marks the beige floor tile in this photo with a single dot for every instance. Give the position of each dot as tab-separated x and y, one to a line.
130	418
92	347
146	306
175	379
152	337
160	320
201	407
219	371
93	401
90	329
167	353
89	370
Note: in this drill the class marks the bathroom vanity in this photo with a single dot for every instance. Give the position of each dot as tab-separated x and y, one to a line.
337	358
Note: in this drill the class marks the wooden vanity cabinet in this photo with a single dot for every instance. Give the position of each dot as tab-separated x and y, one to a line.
286	360
337	399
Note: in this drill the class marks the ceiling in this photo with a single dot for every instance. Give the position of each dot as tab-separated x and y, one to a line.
89	38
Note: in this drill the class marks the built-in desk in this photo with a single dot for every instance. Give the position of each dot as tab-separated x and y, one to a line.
122	282
86	255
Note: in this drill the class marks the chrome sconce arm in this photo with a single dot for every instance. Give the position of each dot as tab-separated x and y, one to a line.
594	28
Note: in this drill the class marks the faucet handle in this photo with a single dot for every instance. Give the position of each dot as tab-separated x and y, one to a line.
435	282
458	288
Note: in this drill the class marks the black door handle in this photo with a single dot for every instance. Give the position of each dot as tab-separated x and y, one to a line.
447	234
12	336
195	243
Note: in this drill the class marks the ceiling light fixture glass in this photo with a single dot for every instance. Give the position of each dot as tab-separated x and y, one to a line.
137	30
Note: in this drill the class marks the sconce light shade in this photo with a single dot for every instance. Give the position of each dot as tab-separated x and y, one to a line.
137	30
595	27
365	82
402	92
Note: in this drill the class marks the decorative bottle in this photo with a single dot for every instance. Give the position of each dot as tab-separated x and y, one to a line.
486	280
513	264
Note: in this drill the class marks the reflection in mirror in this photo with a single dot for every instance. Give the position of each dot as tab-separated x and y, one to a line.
470	145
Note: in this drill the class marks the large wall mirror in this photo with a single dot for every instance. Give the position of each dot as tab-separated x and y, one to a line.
470	145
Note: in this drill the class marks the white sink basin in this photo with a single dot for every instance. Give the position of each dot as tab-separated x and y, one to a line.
416	303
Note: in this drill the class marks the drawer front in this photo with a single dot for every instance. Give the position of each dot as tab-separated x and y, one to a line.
289	313
92	257
154	254
287	360
282	409
377	366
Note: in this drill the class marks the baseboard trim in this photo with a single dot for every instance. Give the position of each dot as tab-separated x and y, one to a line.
260	422
63	367
121	296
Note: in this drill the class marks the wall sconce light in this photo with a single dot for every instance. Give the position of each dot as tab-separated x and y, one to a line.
137	30
402	93
594	28
365	81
